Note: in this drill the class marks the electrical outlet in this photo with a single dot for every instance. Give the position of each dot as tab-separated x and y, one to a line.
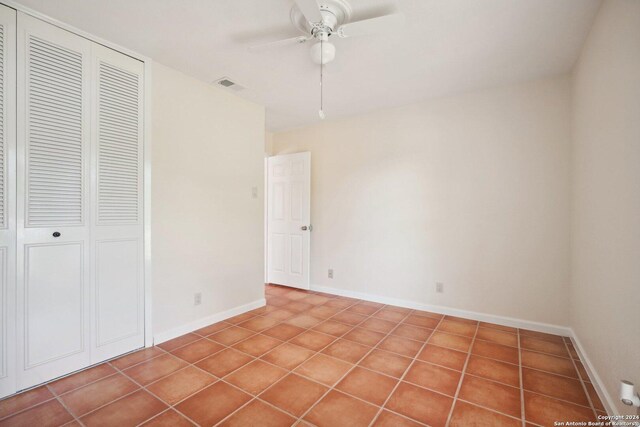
197	298
330	273
439	287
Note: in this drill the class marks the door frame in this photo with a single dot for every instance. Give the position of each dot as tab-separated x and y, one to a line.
147	146
266	214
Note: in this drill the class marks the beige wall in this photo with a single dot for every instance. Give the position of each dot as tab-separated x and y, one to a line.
605	291
207	154
268	143
471	191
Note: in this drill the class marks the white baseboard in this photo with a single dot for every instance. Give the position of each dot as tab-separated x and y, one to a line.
205	321
483	317
605	397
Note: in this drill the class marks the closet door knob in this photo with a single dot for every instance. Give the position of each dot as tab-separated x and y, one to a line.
56	234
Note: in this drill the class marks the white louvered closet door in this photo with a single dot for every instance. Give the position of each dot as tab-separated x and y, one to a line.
7	200
117	228
53	214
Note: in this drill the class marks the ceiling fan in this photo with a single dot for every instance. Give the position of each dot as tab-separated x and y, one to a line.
321	19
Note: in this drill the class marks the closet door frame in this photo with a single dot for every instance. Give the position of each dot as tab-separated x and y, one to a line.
8	380
147	149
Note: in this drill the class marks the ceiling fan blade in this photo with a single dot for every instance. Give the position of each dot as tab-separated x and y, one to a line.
310	10
372	26
278	43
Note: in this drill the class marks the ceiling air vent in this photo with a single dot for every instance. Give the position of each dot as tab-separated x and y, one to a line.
227	83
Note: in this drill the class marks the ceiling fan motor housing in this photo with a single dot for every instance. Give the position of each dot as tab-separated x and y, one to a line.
334	13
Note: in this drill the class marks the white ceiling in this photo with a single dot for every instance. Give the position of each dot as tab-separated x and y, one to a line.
446	46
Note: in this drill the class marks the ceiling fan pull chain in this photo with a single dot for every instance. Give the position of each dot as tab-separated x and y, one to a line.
321	112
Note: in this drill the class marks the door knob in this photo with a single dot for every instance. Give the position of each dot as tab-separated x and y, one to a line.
56	234
303	228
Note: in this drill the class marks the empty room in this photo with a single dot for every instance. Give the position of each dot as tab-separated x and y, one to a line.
320	213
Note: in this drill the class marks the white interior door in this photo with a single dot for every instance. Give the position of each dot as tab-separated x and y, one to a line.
53	247
7	200
117	232
288	219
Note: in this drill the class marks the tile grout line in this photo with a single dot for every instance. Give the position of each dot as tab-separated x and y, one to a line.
142	361
283	321
253	397
332	388
261	332
11	414
106	404
218	379
404	374
58	396
495	411
335	358
143	388
361	367
522	406
159	414
55	395
335	338
558	399
464	369
540	370
221	379
445	367
584	387
73	415
386	375
578	378
298	419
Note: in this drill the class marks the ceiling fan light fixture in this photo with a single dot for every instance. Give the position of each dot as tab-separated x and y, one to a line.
323	52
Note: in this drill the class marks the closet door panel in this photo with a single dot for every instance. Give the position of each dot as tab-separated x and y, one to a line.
5	318
117	204
117	291
118	137
54	293
55	144
7	200
53	279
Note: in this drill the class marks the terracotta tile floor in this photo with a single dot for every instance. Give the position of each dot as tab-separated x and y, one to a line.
315	359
